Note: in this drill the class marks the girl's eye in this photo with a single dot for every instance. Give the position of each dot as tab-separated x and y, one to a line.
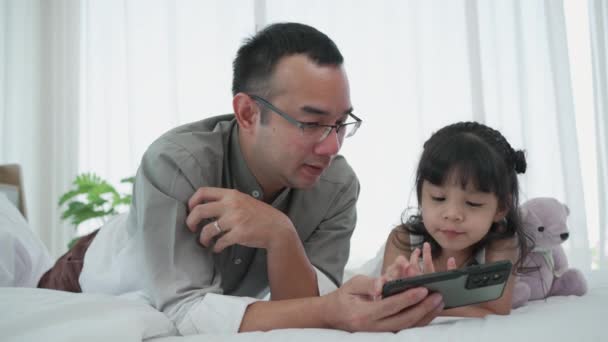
474	204
438	199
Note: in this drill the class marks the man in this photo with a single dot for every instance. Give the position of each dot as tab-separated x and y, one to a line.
229	207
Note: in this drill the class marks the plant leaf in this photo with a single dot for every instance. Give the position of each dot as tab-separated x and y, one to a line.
92	197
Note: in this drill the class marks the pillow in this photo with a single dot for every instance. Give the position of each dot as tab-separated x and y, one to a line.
23	257
371	268
48	315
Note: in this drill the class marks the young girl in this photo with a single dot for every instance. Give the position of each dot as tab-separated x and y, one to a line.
467	191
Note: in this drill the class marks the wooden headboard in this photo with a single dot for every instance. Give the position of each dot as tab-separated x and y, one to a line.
11	175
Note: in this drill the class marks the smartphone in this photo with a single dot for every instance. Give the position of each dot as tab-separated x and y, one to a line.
460	287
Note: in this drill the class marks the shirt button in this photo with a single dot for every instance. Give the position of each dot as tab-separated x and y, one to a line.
255	194
238	261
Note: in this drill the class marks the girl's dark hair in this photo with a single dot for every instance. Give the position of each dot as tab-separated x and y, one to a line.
479	154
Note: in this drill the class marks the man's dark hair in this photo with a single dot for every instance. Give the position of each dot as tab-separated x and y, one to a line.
256	59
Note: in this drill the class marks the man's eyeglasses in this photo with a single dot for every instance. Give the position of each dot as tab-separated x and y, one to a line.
315	131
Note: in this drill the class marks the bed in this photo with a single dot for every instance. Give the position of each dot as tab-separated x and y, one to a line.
30	314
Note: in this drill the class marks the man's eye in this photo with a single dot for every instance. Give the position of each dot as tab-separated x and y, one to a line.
310	125
474	204
437	198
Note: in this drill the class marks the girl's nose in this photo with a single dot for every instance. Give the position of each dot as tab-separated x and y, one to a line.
453	213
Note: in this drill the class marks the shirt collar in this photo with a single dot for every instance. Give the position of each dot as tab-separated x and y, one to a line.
240	176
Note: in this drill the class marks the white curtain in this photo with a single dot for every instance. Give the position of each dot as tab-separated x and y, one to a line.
39	105
598	17
414	66
150	65
418	65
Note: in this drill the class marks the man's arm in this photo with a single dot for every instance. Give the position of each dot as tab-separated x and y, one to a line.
240	219
178	274
161	258
290	273
249	222
328	247
353	307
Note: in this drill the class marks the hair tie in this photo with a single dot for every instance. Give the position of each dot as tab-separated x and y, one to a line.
519	161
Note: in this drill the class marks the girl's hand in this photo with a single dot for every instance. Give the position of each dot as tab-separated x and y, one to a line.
427	260
400	268
403	268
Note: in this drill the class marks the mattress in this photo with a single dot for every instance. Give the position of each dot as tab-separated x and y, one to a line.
30	314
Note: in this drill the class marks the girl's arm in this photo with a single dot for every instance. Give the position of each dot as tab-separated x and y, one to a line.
395	247
500	250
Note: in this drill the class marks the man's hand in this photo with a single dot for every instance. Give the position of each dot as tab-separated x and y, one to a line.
238	219
243	220
356	307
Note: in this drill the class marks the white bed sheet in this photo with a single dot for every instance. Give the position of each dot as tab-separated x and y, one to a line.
30	314
578	319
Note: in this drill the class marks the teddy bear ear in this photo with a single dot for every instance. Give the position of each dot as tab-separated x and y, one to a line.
523	212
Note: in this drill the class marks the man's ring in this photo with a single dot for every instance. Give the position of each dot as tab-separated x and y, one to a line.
217	226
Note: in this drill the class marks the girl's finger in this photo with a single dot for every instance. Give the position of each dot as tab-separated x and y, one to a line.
398	269
393	272
414	260
403	266
451	264
427	258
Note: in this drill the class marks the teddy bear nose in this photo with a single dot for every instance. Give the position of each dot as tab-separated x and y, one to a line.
564	236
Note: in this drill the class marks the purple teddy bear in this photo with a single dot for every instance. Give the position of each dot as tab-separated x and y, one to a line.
544	219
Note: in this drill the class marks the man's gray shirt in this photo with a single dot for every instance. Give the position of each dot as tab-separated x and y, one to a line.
154	253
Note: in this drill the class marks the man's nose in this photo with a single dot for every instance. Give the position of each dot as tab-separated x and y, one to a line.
330	146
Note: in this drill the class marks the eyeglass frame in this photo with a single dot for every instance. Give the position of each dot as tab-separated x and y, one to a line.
302	125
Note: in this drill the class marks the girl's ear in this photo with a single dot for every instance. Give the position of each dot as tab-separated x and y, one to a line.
501	214
503	210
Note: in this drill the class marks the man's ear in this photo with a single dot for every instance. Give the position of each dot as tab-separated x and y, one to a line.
246	111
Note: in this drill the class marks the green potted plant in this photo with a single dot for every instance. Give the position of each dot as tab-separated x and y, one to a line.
91	197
